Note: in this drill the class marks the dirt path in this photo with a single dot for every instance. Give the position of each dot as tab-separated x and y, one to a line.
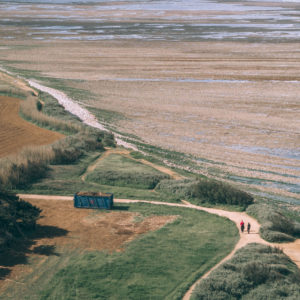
126	153
290	249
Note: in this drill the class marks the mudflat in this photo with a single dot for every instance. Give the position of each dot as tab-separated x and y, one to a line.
208	80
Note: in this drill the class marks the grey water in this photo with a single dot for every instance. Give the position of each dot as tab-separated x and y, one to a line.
171	20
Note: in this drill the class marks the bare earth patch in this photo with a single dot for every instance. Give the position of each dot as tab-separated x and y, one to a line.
16	133
84	229
95	229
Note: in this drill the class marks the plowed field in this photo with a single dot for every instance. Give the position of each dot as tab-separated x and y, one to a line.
16	133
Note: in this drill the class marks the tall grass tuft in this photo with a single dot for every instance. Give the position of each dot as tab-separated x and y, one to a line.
29	110
28	165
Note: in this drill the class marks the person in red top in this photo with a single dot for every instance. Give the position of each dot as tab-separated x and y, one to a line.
242	224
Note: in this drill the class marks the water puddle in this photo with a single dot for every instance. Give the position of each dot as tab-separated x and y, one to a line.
279	152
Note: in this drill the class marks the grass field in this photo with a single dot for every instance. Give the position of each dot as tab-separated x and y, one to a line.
158	264
118	170
67	179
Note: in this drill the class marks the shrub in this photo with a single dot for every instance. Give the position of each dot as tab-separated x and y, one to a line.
39	105
212	191
126	179
255	272
179	188
16	216
275	226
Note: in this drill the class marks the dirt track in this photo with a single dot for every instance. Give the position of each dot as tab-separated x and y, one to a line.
290	249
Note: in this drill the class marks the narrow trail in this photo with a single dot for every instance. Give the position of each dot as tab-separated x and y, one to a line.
126	153
290	249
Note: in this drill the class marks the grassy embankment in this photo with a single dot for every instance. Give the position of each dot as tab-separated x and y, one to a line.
157	265
255	272
278	223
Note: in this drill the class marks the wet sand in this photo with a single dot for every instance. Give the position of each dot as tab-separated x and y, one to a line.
232	101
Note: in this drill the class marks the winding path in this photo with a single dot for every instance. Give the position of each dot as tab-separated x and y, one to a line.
290	249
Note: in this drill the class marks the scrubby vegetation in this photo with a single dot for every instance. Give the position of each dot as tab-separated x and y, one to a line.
16	217
121	171
206	190
255	272
33	163
276	225
181	189
33	110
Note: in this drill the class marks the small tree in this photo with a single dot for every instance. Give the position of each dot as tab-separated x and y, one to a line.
16	217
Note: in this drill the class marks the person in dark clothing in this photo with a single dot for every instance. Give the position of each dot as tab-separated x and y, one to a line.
248	227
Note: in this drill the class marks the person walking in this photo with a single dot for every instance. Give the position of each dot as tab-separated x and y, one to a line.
242	224
248	227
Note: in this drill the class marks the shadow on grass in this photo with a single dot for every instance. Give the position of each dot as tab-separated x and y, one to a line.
4	272
116	207
17	252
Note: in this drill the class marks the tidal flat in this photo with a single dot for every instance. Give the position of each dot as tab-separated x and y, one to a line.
220	81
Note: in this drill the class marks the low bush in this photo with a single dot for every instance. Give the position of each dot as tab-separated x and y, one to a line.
216	192
275	226
182	189
126	179
255	272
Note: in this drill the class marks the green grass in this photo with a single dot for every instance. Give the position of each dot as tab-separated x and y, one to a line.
118	170
255	272
157	265
66	180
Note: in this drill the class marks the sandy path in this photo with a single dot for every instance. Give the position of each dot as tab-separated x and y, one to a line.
290	249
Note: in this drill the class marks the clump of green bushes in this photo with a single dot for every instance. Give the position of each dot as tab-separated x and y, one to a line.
217	192
206	190
16	217
126	179
255	272
275	226
180	189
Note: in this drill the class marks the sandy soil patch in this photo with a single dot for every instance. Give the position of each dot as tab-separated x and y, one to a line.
16	133
94	229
